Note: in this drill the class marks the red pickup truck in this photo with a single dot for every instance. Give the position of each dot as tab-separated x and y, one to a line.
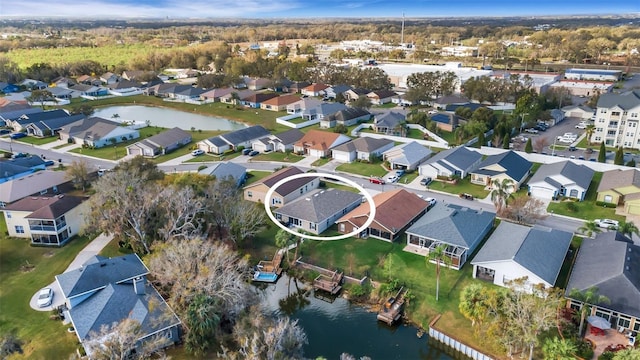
376	180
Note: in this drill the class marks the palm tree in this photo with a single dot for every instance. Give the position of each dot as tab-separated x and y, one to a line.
628	228
587	298
559	349
590	228
284	239
439	256
500	193
589	130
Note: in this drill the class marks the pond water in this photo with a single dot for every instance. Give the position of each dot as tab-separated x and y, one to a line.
339	326
168	118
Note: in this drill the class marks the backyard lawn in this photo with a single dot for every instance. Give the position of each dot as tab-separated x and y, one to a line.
364	169
586	209
37	141
463	186
278	156
254	176
23	271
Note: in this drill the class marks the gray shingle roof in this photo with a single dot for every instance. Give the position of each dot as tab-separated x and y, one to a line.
609	262
319	205
617	178
453	224
224	170
460	157
246	134
540	250
325	109
515	165
348	114
58	123
363	144
581	175
627	100
290	136
117	302
97	275
169	137
390	119
411	153
41	116
289	186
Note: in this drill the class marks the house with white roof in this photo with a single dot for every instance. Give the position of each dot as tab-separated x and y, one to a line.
561	179
406	156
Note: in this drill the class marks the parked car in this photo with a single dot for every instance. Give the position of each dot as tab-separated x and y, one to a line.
254	153
392	178
45	297
431	201
607	223
246	151
572	148
197	152
49	163
531	130
5	131
376	180
18	135
426	181
582	125
566	140
399	172
466	196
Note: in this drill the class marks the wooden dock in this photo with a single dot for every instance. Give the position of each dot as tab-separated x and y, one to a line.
271	266
330	284
392	309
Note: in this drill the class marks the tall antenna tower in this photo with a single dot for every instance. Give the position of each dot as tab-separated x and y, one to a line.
402	32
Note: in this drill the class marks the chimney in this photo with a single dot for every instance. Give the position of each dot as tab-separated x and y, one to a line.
138	285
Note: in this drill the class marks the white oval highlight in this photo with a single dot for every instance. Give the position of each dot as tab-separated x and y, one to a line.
372	205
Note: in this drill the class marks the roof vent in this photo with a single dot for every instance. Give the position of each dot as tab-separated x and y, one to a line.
308	199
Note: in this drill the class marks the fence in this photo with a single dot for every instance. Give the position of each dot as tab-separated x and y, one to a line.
284	120
455	344
323	271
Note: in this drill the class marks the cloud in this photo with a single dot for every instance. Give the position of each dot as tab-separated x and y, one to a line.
91	9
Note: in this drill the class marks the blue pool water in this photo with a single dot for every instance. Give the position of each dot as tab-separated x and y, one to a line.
266	277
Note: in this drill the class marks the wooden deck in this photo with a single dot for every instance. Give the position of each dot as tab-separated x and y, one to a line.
391	311
330	284
271	266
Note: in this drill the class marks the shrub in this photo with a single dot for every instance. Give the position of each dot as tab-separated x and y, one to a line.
10	344
571	206
202	167
606	204
607	355
585	350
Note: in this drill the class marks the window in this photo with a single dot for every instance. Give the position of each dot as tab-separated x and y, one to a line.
624	321
634	115
341	226
603	111
636	326
602	314
19	229
301	191
608	198
615	113
312	226
249	194
8	214
573	193
278	216
611	132
599	129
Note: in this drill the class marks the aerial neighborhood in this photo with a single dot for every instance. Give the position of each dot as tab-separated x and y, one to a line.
203	182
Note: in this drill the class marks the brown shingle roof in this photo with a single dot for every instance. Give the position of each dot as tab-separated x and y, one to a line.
316	87
318	140
619	178
46	207
394	210
282	100
288	187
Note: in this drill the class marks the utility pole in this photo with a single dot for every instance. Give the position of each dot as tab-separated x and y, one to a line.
402	31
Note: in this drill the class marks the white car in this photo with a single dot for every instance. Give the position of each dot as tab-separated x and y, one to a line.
197	152
431	201
45	296
582	125
607	223
566	140
392	178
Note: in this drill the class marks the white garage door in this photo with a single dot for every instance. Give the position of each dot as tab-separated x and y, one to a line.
541	193
344	156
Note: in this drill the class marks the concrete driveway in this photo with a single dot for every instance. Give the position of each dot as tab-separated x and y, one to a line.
93	248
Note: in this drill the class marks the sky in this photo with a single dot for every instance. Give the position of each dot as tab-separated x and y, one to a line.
175	9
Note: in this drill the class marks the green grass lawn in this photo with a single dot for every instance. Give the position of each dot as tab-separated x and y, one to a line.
408	177
333	185
115	152
278	156
586	210
362	168
213	157
463	186
254	176
385	106
320	162
38	141
448	136
415	134
43	338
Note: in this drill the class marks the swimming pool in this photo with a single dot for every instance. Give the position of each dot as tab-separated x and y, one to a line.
265	277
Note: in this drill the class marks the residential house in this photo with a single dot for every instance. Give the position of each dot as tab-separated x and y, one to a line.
407	156
31	84
471	106
97	132
12	110
7	88
380	97
46	220
442	102
214	95
62	93
459	228
233	140
133	75
318	210
20	122
11	169
62	82
314	90
500	167
236	96
395	211
317	143
106	291
296	86
322	110
255	100
609	263
171	90
88	80
333	91
226	171
514	251
160	144
257	83
36	183
346	117
303	105
621	187
187	73
285	193
88	90
617	121
446	121
279	103
51	127
390	123
557	116
109	78
192	93
125	88
160	89
458	161
561	179
362	149
579	111
278	142
354	93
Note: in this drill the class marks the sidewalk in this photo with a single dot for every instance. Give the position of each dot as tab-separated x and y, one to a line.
180	159
93	248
